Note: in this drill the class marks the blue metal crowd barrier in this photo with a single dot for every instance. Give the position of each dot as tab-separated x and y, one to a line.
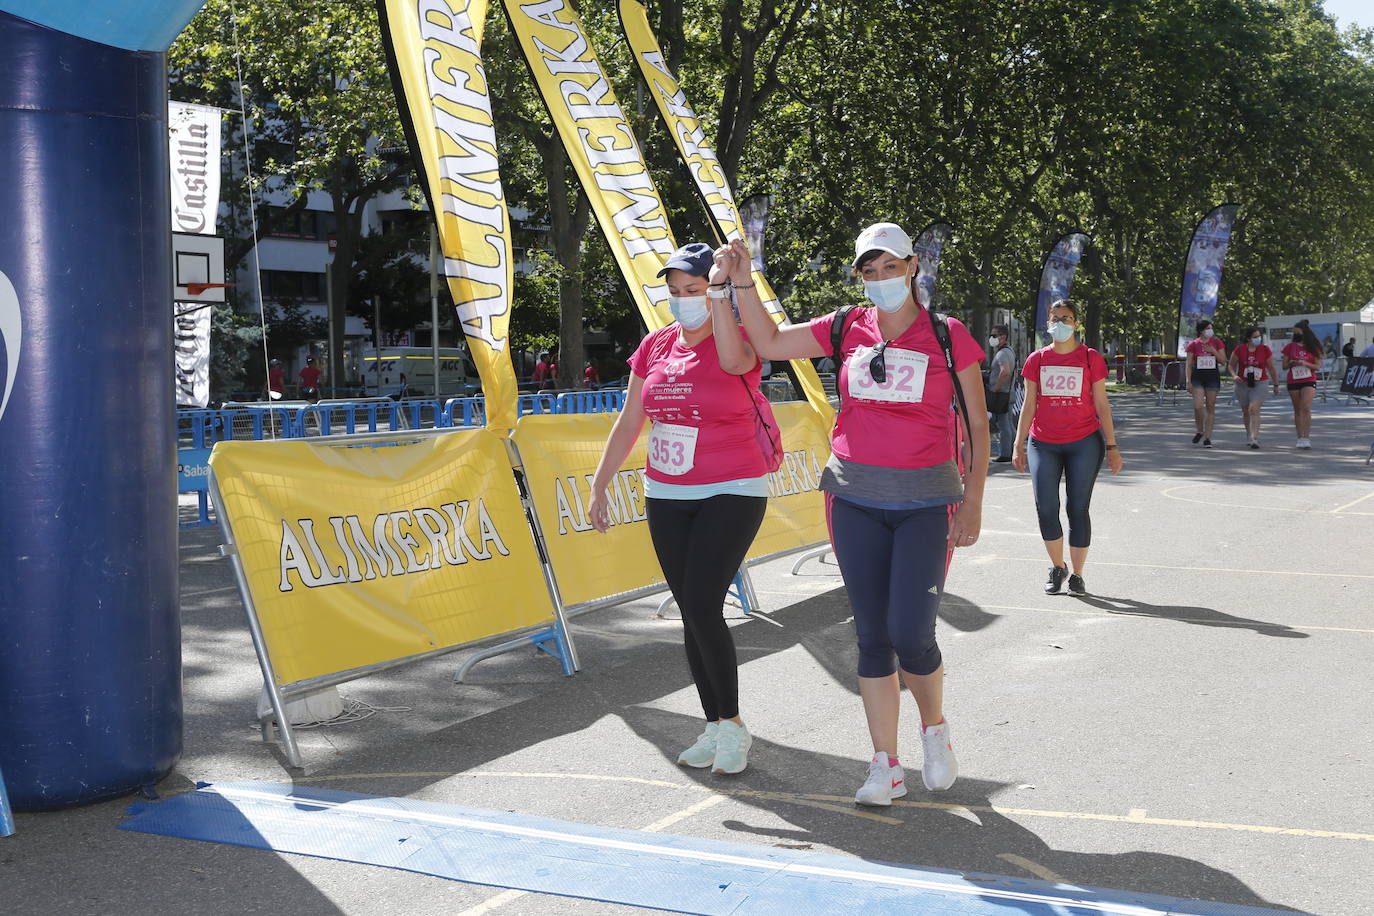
199	429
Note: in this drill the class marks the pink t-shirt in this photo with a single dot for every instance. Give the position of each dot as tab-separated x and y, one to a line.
1064	409
905	421
1201	346
1257	358
1295	350
703	417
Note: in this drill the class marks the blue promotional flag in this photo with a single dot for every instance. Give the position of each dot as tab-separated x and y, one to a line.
1056	276
927	248
1202	271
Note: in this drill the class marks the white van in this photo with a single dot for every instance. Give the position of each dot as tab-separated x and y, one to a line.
382	371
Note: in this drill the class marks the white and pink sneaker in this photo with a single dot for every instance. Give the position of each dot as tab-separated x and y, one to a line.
885	782
939	769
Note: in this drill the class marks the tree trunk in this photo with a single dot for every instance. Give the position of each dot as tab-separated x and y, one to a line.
569	224
1092	317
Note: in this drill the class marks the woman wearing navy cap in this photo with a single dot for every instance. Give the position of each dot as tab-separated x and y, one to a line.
696	381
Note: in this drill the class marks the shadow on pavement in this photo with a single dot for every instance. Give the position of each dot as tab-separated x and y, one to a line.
1201	616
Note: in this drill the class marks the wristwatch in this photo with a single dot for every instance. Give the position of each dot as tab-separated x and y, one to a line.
1112	447
717	292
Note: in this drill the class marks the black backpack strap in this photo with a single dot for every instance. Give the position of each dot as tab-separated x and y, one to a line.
941	328
837	329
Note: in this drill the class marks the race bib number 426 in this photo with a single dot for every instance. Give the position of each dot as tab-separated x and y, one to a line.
1061	381
904	380
672	449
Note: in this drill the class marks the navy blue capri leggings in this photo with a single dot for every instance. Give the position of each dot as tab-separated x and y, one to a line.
893	562
1077	464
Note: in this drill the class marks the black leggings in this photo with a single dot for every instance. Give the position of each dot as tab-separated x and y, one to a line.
700	545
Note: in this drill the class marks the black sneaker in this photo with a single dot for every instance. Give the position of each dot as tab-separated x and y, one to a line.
1076	586
1206	443
1197	438
1001	460
1254	445
1056	579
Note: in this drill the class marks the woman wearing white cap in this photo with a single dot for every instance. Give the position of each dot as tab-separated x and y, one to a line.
896	500
697	380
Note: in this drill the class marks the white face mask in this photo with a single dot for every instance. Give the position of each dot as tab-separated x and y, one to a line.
993	342
1060	331
690	311
1208	333
1256	341
888	294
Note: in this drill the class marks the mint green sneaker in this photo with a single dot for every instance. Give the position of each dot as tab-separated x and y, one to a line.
703	752
732	748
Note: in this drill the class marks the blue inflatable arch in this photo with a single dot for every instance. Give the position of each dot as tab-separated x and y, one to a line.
90	649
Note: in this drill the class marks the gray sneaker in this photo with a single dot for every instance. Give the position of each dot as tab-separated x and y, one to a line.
703	752
732	748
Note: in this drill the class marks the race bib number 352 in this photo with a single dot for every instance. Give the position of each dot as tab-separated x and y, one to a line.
1061	381
672	449
904	381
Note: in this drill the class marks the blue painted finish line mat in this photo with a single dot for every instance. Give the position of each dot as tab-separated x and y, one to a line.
680	874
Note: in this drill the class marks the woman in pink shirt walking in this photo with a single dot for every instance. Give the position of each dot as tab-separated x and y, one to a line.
1069	423
696	381
899	502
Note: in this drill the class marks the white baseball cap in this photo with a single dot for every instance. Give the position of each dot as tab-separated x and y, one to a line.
888	237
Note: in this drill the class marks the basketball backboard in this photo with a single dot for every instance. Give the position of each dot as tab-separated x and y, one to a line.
197	268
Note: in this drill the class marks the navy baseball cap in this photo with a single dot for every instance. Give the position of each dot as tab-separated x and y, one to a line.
696	259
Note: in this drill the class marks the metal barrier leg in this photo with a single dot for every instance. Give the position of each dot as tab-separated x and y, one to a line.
818	554
6	816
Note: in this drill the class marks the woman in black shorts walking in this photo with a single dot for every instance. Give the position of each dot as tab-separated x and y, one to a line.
1203	378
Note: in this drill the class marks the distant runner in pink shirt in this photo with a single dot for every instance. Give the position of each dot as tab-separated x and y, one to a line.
697	382
1066	429
1302	359
1202	376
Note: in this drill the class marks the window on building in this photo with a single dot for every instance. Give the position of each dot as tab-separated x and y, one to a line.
299	285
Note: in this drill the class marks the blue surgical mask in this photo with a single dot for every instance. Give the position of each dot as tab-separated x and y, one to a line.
1061	332
888	294
1256	341
690	311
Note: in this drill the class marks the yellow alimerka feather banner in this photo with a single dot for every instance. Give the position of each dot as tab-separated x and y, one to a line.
603	150
703	165
358	554
435	50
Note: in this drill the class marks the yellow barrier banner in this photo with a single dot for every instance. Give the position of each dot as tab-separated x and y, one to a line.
435	51
704	167
560	453
357	554
603	150
796	506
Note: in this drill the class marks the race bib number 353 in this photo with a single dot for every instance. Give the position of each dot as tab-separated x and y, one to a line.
1061	381
672	449
904	382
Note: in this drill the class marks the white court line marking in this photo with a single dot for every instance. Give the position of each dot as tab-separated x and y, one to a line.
685	813
1035	868
1169	494
843	800
491	903
1136	814
1355	503
772	867
1222	569
1128	614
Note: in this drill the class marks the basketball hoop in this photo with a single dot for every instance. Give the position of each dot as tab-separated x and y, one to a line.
196	289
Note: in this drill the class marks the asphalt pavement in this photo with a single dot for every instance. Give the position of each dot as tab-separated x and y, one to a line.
1198	725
